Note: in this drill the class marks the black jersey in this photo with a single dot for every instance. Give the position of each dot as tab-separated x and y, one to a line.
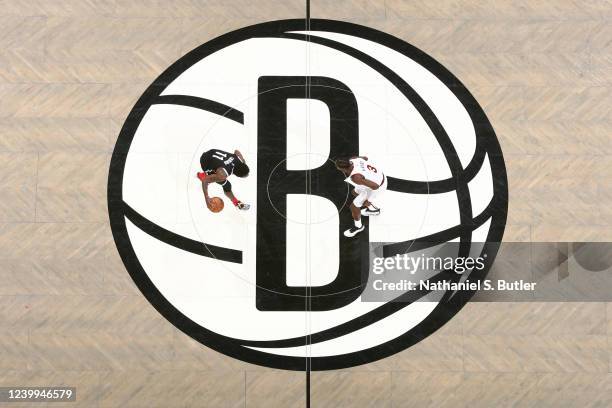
215	158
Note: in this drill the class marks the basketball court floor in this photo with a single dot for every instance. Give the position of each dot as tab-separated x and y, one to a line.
70	73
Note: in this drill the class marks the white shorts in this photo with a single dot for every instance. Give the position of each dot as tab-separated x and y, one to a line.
365	193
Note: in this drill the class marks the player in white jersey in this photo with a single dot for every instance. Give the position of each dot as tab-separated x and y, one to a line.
369	182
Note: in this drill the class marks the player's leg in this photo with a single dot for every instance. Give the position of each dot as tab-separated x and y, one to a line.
369	208
227	189
356	213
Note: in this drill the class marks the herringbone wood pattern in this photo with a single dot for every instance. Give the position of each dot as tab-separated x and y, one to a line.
70	70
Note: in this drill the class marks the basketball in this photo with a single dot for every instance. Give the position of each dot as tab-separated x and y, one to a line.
216	204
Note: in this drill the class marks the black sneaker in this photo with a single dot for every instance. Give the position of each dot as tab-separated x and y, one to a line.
351	232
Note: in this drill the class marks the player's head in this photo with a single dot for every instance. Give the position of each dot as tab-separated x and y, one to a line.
241	169
343	165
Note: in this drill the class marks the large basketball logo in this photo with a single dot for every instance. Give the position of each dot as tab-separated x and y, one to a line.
280	283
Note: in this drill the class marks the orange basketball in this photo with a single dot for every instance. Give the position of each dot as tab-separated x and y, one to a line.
216	204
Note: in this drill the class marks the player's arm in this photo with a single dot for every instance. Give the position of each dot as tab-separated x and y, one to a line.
362	181
217	177
237	203
227	190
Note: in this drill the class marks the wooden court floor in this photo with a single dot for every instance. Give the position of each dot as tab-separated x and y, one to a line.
70	71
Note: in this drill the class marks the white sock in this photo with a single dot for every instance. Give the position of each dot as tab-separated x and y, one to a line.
357	223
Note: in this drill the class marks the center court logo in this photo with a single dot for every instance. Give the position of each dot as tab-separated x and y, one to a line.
279	284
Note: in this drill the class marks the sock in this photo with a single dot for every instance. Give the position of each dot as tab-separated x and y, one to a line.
235	201
357	223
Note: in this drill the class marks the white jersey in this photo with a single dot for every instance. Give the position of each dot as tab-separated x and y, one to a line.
368	170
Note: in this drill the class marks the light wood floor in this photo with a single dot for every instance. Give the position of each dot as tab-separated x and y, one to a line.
70	70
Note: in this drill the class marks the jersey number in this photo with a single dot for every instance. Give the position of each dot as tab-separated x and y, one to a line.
371	168
221	156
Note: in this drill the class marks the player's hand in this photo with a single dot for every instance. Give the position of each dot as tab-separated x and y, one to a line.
242	206
208	204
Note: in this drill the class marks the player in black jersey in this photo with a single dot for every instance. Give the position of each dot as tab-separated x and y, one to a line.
218	165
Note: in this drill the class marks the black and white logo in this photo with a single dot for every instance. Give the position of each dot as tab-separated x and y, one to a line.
277	279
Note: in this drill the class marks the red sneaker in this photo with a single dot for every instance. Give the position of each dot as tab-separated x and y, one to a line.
202	176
